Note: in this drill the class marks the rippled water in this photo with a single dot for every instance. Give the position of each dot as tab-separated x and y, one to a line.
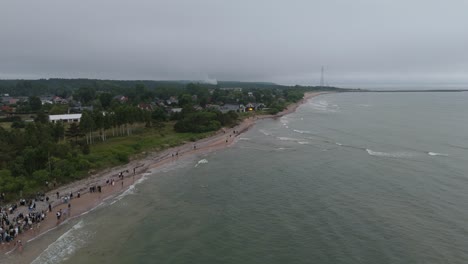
348	178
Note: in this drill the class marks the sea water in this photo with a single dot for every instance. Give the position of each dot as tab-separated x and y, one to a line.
348	178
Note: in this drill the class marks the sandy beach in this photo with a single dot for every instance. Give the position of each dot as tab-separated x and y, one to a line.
114	181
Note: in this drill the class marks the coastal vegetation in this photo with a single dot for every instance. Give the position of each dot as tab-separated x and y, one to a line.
118	120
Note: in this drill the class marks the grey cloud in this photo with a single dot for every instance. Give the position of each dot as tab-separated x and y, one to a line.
359	42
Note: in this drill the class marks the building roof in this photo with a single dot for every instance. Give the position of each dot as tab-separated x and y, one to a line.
64	117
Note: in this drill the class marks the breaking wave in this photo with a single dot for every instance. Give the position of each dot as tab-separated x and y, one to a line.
203	161
324	106
301	131
437	154
390	154
264	132
64	246
131	189
287	139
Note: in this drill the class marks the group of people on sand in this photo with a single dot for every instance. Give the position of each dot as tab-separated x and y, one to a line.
13	222
24	215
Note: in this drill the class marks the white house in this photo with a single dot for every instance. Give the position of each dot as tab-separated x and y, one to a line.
69	118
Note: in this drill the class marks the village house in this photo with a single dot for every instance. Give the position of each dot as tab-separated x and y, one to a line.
144	106
213	107
159	102
172	100
59	100
68	118
121	98
7	109
174	110
231	107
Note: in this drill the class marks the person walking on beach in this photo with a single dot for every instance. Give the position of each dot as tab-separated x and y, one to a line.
58	214
57	193
19	245
50	207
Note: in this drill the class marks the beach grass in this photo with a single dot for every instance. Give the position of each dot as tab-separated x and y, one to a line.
119	150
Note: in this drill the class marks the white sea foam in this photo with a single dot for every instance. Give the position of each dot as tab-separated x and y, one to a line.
243	138
303	142
324	106
437	154
287	139
338	143
203	161
301	131
131	189
64	246
266	133
389	154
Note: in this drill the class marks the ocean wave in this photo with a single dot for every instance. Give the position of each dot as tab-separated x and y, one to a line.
131	189
243	138
389	154
324	106
303	142
338	143
203	161
287	139
266	133
301	131
281	148
437	154
64	246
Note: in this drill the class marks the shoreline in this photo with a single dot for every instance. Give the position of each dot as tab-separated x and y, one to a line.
111	185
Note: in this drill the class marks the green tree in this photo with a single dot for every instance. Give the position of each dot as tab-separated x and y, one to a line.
85	94
74	131
35	103
106	99
87	125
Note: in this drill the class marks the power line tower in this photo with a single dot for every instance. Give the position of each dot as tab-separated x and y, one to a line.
322	81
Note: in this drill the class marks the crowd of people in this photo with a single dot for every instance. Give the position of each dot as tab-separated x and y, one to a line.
25	215
13	222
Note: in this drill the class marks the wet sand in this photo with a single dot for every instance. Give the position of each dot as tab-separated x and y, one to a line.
132	172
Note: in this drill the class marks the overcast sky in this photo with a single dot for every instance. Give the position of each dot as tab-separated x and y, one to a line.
359	42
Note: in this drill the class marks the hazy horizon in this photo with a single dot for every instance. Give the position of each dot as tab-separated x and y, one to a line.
360	44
